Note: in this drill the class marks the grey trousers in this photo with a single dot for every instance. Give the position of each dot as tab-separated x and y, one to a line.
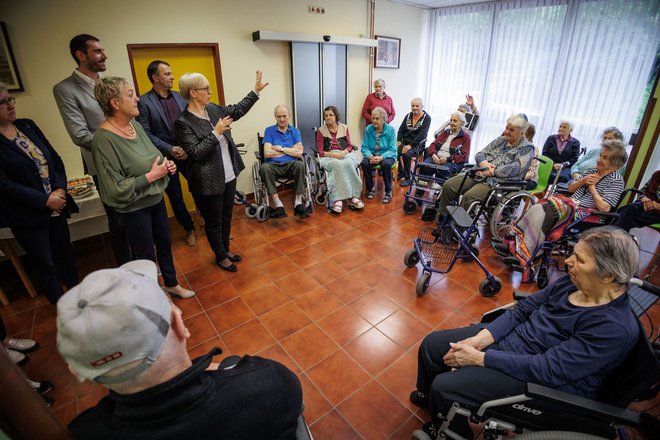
294	169
472	190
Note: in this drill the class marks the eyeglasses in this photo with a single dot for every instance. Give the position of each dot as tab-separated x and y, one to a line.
207	88
11	100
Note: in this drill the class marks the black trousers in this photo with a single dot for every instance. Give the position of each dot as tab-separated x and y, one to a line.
175	194
118	235
49	248
385	169
149	227
634	216
217	211
469	386
407	158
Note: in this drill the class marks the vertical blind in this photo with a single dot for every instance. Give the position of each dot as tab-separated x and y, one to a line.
584	61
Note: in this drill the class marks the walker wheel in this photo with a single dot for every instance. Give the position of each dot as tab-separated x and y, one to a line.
488	288
422	283
251	211
262	213
239	197
411	258
321	199
409	206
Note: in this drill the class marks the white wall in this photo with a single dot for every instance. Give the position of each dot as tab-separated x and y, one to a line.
40	32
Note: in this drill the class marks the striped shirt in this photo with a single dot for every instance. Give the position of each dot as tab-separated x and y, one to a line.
609	187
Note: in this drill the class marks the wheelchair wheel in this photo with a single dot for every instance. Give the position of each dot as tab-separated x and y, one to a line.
423	283
411	258
262	213
543	277
409	206
487	289
507	212
420	435
251	211
239	197
321	199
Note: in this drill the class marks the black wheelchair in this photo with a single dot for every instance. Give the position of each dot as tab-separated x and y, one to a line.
262	210
543	413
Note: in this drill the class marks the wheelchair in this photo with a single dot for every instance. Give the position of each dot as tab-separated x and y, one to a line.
544	413
262	211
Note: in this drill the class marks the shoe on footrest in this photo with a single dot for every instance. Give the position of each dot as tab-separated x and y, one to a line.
22	345
419	399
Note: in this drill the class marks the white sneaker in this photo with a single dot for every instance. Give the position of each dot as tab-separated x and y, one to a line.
22	345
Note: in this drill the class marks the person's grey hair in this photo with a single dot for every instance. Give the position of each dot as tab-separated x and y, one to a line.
3	87
190	81
465	107
518	122
615	252
617	150
417	99
460	116
379	81
615	131
569	123
279	106
381	111
106	89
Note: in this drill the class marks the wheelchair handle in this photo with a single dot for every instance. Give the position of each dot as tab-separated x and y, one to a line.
645	285
541	160
477	169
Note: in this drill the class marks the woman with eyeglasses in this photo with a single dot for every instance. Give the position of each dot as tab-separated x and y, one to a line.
214	163
33	199
133	174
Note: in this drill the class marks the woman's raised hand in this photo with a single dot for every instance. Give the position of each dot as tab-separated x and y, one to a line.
258	85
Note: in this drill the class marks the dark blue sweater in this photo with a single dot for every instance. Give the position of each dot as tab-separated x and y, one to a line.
547	340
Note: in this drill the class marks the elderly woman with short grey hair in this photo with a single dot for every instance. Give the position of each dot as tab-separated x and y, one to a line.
132	177
599	190
507	157
562	147
214	163
568	336
378	99
588	160
379	149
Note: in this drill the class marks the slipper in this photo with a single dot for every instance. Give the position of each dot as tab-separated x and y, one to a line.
356	203
337	207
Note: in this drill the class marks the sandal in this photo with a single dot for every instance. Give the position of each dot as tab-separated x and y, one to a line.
387	198
337	207
371	194
356	203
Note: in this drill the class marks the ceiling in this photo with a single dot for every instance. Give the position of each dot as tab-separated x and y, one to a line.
433	4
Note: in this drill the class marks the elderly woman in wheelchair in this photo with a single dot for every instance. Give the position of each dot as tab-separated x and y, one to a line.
598	191
568	336
339	158
507	157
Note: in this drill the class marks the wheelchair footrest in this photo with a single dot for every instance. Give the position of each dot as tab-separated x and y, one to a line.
460	217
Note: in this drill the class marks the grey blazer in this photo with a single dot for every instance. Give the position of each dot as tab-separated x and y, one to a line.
206	172
81	114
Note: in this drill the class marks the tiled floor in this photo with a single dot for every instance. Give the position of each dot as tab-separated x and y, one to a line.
328	296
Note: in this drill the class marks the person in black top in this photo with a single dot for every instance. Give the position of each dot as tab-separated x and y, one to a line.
562	147
411	136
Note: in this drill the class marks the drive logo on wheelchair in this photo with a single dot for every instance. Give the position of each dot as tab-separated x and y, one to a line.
523	408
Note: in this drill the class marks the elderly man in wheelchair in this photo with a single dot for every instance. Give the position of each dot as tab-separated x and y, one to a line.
567	337
506	158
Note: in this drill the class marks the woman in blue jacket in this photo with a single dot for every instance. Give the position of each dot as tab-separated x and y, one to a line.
379	148
34	202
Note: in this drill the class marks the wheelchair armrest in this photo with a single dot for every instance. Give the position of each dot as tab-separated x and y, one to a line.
519	294
582	405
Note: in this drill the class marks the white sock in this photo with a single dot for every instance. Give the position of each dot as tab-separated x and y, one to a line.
298	200
278	203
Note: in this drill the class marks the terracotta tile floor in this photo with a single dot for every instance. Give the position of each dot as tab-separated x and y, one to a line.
328	296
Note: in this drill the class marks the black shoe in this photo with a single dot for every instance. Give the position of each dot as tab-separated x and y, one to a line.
300	210
235	258
419	399
429	214
231	268
41	387
405	182
277	212
48	400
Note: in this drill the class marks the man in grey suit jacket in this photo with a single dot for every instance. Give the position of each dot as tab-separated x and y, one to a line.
82	115
159	108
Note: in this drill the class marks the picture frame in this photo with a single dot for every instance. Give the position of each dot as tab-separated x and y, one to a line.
8	70
388	52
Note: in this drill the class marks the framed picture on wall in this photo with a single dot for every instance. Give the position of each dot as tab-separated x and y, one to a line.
388	52
8	71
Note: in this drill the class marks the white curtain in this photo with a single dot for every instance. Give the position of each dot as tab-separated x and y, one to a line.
585	61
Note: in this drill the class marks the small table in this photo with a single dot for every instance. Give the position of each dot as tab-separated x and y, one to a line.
90	221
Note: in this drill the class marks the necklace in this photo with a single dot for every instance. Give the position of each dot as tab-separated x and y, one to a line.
131	130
